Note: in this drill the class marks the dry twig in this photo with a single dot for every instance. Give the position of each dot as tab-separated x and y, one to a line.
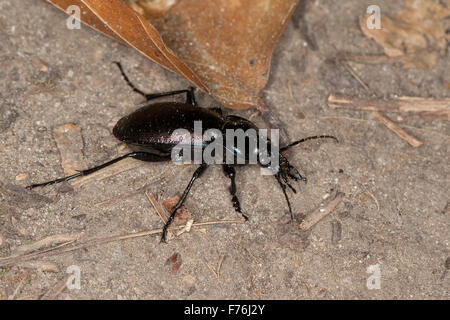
356	76
425	107
159	209
374	59
55	291
65	247
398	131
321	212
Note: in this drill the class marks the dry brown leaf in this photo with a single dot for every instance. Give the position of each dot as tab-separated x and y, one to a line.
174	262
88	17
151	8
224	47
182	215
228	43
416	34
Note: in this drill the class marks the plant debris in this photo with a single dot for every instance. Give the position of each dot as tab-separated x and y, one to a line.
417	34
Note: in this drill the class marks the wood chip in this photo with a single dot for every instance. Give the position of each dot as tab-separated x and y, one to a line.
2	239
174	262
321	212
21	176
336	231
43	266
186	228
47	242
39	64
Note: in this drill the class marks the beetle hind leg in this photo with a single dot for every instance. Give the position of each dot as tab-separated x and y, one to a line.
129	83
190	97
144	156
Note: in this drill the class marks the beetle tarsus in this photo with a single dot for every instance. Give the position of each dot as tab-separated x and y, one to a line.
283	188
230	172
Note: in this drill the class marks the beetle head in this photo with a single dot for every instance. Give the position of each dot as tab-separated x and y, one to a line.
286	171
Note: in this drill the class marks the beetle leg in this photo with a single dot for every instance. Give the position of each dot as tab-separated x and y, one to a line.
230	171
128	80
286	182
217	110
150	96
190	96
144	156
283	187
180	202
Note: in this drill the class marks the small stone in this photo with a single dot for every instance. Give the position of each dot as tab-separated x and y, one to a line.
39	64
21	176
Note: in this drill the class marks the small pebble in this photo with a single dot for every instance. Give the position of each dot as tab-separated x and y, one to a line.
38	64
21	176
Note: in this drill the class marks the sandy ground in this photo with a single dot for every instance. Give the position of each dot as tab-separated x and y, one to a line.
393	222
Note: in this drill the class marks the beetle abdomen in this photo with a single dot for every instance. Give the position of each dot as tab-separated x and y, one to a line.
153	125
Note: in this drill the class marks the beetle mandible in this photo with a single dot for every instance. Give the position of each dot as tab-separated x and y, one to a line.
148	132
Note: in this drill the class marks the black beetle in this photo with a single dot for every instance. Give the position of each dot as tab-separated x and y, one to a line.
148	132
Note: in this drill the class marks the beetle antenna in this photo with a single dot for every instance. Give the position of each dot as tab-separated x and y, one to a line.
307	139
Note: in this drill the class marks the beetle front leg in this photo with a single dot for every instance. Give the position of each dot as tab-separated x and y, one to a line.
196	175
230	171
